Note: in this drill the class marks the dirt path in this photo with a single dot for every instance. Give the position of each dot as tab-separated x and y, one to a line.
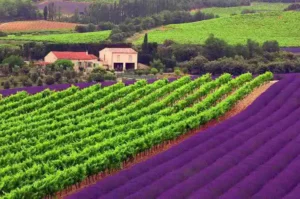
239	107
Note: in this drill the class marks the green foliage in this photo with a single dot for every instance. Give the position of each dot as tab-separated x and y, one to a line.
154	71
13	61
6	85
34	77
49	80
271	46
255	6
156	63
40	82
63	64
260	27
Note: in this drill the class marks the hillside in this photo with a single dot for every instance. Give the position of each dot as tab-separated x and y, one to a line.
39	26
281	26
64	38
255	6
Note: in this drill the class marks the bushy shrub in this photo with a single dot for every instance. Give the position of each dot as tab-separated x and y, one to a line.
49	80
154	71
6	85
34	77
247	11
40	82
3	34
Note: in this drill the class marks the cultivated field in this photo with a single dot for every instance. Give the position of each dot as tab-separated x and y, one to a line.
52	140
36	26
256	6
280	26
64	38
252	155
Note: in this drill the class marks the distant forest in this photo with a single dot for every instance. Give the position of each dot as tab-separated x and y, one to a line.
117	11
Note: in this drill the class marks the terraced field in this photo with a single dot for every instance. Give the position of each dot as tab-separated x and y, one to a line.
281	26
52	140
252	155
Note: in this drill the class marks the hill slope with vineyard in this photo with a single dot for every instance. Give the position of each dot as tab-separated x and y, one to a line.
52	140
252	155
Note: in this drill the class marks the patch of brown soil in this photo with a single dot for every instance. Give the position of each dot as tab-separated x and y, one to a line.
40	25
239	107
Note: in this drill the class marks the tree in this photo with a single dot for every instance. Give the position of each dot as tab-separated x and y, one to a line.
13	61
34	77
40	82
57	76
156	63
49	80
271	46
64	64
177	71
6	85
153	71
215	48
253	48
45	13
145	44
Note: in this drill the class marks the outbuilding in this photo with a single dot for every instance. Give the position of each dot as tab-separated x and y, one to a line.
119	59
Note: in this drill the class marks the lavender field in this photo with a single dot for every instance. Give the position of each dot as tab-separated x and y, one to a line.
252	155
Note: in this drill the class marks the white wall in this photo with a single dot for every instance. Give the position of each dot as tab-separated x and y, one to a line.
50	58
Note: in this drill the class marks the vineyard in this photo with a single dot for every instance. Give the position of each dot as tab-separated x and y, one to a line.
52	140
261	27
252	155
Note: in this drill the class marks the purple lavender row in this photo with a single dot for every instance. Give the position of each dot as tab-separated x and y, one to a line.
60	87
126	180
194	161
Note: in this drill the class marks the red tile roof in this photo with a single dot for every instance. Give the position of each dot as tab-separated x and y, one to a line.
74	55
121	50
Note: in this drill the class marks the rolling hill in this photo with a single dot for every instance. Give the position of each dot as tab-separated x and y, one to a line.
281	26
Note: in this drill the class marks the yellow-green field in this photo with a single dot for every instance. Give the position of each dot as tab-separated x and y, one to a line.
256	6
68	38
281	26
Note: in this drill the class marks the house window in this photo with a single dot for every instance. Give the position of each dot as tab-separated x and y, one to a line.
118	58
130	58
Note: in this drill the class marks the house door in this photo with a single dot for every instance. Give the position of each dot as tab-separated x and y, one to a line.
130	66
118	66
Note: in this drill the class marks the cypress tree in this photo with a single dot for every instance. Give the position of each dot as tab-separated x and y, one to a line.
145	44
45	12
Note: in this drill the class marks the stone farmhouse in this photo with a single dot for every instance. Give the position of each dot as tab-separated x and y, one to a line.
119	59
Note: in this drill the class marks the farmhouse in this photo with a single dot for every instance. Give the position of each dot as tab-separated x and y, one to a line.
119	59
80	59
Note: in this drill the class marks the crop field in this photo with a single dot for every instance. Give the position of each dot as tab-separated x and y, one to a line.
280	26
256	6
252	155
52	140
64	38
36	26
